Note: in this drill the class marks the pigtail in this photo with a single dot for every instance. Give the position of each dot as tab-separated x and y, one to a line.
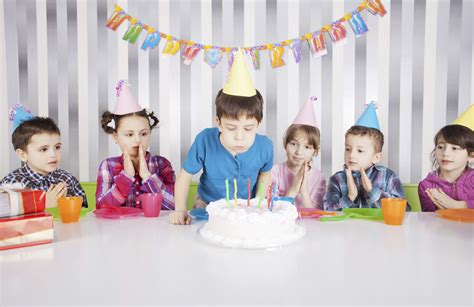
108	122
151	116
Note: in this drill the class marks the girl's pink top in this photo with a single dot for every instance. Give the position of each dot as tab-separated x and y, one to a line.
316	184
461	189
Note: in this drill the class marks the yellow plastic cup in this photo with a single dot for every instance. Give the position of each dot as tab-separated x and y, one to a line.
393	210
70	208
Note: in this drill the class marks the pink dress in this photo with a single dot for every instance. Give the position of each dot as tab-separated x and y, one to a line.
316	184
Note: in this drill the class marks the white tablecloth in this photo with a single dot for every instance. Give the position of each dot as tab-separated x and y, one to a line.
148	261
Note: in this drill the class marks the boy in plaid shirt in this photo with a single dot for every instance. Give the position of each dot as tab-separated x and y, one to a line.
363	183
37	142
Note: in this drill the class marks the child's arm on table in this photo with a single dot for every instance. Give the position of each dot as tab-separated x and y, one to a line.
181	189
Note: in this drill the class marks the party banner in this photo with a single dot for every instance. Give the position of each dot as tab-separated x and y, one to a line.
316	41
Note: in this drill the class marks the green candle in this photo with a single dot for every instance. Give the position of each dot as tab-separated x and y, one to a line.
260	194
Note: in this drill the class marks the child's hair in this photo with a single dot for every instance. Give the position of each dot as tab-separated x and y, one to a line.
24	132
312	134
107	117
457	135
233	107
375	134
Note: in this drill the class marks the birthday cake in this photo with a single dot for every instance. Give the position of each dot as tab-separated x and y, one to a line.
251	226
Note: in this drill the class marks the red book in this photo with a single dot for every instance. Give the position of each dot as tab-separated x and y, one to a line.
21	201
26	230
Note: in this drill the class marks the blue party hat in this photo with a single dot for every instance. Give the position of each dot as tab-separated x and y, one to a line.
19	114
369	117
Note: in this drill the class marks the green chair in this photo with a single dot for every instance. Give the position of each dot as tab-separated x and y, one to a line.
89	189
191	195
411	193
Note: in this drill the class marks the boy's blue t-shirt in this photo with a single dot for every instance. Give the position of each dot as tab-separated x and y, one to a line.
218	164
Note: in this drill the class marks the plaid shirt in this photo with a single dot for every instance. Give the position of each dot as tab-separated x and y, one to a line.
117	188
32	180
385	183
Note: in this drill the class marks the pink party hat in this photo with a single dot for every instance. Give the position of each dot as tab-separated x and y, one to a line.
126	102
306	115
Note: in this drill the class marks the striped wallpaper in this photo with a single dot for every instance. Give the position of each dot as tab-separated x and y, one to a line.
59	59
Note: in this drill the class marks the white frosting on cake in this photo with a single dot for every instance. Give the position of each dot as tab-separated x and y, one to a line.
250	226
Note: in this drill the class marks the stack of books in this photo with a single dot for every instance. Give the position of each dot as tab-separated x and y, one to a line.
23	221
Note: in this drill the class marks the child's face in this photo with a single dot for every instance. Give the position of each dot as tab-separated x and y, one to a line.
451	157
132	132
299	150
359	153
43	153
237	135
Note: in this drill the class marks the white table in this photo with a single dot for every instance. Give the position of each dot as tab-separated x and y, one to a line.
148	261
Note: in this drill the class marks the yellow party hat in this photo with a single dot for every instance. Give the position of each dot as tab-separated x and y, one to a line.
466	118
239	82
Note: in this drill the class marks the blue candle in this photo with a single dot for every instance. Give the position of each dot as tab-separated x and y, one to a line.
273	195
227	192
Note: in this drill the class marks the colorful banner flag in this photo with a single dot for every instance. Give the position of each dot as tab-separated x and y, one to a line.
212	55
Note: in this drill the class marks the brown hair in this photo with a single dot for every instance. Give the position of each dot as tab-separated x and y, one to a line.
37	125
233	107
107	117
457	135
311	132
375	134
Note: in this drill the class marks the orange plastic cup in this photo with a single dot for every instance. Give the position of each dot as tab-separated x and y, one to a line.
393	210
70	208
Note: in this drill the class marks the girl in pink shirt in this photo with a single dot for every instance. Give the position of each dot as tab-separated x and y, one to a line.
296	177
451	184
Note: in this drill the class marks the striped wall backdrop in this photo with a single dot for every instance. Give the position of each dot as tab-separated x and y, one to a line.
59	59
